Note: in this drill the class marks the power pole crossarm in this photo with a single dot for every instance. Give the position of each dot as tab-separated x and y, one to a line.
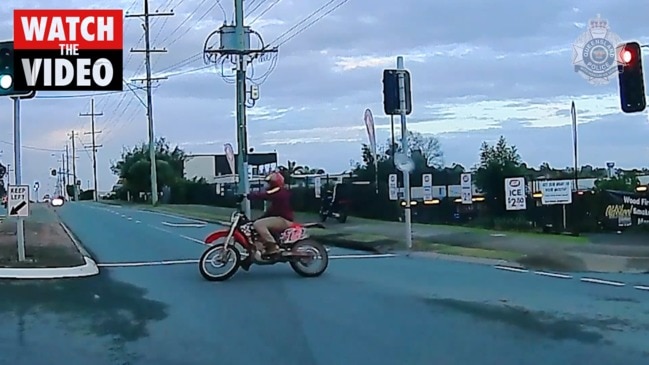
149	98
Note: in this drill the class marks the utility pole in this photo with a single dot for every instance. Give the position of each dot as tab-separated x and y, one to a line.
66	169
75	193
406	150
92	116
235	45
149	99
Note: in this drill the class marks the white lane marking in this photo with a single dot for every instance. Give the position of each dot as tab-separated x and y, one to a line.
138	222
362	256
173	216
148	263
190	225
192	239
509	268
641	287
129	218
599	281
160	229
89	268
553	275
184	262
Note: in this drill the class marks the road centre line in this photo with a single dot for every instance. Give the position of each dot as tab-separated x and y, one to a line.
195	261
181	225
553	275
510	268
603	282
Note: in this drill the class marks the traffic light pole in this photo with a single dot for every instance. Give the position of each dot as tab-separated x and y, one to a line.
18	175
405	149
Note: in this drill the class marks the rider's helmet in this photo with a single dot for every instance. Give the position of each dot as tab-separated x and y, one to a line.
275	180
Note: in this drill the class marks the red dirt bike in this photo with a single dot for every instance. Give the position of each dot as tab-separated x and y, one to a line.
237	247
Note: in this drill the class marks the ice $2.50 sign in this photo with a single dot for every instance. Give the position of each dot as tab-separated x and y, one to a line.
515	198
68	49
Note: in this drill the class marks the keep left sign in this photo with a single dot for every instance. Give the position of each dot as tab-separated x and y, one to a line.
68	49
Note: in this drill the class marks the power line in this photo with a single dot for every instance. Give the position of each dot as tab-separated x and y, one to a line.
313	14
74	96
264	12
206	13
256	7
187	18
40	149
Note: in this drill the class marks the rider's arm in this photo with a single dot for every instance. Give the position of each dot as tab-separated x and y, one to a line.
263	195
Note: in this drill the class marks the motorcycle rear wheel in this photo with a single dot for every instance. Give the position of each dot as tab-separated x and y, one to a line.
231	252
297	263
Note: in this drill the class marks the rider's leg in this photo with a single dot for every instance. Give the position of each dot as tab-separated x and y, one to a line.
264	227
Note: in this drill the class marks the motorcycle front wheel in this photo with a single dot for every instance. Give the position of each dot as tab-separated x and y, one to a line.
217	256
311	258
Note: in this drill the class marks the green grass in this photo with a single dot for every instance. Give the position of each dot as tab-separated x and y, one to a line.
467	251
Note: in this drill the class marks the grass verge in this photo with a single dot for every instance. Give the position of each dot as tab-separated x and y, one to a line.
467	251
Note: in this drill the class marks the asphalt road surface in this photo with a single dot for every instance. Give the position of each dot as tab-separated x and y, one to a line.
380	311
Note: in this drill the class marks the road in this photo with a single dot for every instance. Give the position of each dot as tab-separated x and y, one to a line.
381	311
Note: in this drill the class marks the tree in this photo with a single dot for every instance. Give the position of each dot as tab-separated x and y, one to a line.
134	167
626	181
497	162
429	146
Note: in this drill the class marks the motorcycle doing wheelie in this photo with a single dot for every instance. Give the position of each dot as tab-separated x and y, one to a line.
238	248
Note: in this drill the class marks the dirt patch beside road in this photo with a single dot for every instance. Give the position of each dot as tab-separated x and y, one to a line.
46	242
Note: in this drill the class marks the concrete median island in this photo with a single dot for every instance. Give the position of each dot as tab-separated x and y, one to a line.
50	250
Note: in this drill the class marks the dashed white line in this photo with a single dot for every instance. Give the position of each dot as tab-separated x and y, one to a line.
148	263
138	222
553	275
361	256
509	268
641	287
173	216
603	282
180	225
160	229
192	239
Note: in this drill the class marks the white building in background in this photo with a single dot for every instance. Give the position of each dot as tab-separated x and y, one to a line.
214	168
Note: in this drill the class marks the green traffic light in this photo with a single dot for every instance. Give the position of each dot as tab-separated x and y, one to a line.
6	81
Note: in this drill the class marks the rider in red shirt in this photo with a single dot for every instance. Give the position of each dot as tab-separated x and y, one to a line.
278	216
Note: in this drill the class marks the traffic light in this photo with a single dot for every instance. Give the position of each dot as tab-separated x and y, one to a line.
53	172
391	101
7	71
632	91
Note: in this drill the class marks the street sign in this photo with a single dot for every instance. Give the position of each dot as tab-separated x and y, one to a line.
392	185
556	192
515	198
36	185
18	202
427	184
318	186
467	188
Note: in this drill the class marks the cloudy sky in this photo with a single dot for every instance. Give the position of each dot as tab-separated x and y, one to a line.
480	69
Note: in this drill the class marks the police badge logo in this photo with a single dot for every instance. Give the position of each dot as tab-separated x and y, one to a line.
595	52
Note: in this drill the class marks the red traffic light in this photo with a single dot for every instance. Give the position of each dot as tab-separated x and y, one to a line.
629	53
